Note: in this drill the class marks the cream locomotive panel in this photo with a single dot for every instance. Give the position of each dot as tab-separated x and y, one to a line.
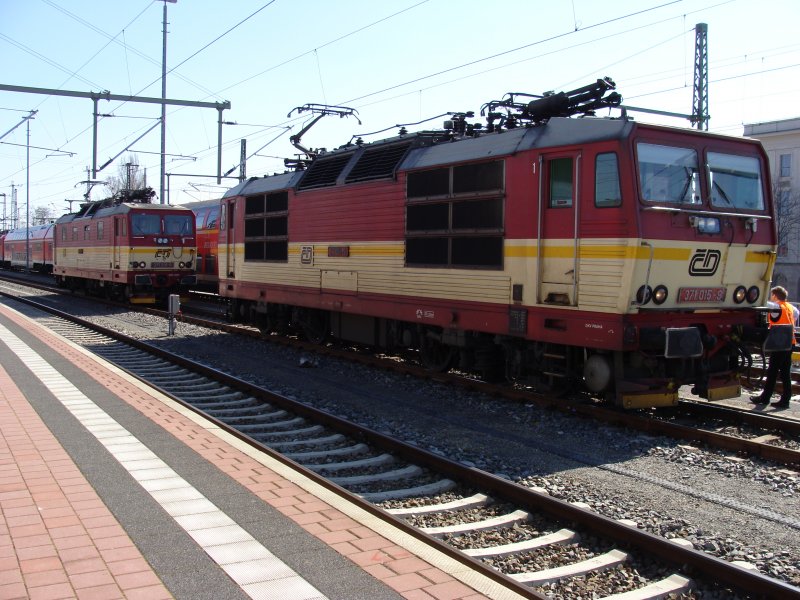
372	268
699	275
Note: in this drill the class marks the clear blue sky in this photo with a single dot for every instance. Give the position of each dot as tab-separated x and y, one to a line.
394	62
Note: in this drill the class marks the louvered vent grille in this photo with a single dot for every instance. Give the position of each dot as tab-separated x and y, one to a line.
324	172
377	163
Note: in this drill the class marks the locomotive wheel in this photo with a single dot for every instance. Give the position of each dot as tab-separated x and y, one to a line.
434	355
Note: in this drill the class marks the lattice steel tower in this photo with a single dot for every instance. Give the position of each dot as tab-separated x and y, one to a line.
700	102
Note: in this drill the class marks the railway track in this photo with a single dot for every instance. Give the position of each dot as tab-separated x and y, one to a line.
766	435
522	537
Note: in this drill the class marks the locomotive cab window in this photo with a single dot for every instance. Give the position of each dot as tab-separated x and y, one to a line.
735	181
606	181
178	225
668	174
145	225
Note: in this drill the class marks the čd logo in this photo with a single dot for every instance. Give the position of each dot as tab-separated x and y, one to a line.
704	262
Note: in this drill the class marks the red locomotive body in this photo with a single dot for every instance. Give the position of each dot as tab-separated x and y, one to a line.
38	240
622	255
207	228
126	248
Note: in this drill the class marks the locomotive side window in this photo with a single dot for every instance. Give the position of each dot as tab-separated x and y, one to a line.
560	182
735	181
99	230
668	174
606	181
454	216
266	227
87	232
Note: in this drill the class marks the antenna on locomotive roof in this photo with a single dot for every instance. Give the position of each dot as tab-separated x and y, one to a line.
321	110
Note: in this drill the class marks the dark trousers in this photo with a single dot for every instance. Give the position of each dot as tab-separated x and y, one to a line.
779	363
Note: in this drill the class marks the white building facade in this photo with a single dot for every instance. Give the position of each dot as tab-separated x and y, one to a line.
781	140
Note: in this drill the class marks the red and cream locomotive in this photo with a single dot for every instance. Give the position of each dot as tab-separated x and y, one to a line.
126	248
542	248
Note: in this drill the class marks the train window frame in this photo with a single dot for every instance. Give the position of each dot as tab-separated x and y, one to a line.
657	176
732	196
178	224
213	217
601	199
142	224
558	184
200	218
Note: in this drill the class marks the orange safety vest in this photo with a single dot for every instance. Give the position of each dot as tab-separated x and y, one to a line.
785	317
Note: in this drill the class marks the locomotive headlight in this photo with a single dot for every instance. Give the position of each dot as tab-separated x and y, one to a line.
739	294
660	294
644	294
142	265
181	265
709	225
753	294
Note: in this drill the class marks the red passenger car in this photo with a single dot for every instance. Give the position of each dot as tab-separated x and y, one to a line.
602	252
126	248
3	263
38	240
207	227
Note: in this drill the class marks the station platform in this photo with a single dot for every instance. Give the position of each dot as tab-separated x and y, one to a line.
109	489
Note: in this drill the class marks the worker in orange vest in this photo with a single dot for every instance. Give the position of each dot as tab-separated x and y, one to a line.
779	362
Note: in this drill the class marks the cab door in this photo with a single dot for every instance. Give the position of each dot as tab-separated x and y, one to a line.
116	245
558	226
228	223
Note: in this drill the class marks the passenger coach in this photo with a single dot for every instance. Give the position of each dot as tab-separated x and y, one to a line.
206	216
38	240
